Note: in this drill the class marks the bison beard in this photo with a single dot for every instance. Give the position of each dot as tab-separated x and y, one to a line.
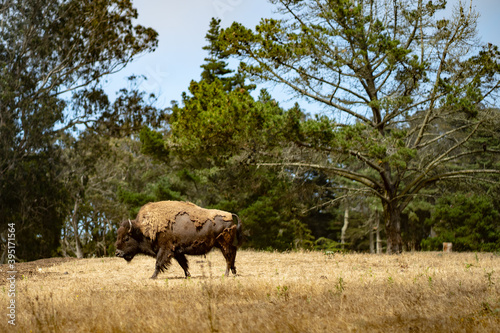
172	229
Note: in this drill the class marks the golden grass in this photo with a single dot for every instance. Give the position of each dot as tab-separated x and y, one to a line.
274	292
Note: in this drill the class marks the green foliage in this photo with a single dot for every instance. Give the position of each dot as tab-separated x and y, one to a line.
157	191
413	218
53	55
401	113
318	131
468	221
406	99
327	244
135	200
34	185
213	140
217	123
98	169
211	119
270	224
129	113
215	66
153	144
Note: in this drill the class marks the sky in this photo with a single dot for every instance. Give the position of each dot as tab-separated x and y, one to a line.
182	26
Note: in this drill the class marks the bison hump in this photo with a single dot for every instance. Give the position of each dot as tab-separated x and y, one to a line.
156	217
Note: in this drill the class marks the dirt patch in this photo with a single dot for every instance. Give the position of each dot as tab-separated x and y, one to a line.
31	268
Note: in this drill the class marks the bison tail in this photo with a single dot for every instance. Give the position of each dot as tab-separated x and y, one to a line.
239	232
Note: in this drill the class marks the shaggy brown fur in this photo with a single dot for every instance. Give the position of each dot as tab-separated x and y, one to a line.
156	217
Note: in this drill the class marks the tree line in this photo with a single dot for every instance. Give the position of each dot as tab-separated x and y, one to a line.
405	154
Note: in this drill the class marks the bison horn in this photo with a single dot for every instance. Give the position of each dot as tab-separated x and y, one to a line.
130	223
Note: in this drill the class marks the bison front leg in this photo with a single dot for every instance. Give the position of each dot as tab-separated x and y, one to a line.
163	259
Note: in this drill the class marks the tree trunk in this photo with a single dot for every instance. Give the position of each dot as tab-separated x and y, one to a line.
104	247
3	258
392	217
344	227
379	241
64	241
74	222
371	231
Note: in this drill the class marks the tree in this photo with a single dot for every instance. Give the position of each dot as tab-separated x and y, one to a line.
211	139
98	161
213	136
470	222
104	171
392	74
215	66
53	57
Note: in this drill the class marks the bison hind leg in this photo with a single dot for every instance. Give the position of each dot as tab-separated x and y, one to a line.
225	242
163	259
229	253
182	260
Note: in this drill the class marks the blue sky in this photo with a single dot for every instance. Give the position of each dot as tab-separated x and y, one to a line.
182	26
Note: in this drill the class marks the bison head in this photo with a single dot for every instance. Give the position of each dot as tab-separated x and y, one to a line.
127	241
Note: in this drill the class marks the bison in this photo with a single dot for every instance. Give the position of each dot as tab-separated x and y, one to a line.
169	229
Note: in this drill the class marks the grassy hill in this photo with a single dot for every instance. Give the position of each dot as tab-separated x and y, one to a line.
273	292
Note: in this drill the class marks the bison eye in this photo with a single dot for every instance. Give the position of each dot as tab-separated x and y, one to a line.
127	238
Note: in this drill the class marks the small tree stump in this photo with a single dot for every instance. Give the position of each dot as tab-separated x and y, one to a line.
447	247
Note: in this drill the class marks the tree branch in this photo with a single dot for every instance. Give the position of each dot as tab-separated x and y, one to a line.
449	175
360	178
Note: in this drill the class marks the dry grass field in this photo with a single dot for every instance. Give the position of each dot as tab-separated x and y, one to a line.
273	292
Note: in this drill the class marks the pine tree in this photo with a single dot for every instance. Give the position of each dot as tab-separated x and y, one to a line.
216	67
